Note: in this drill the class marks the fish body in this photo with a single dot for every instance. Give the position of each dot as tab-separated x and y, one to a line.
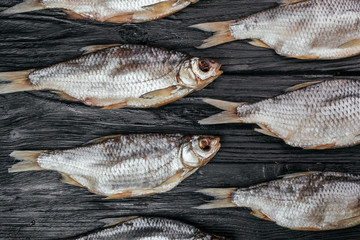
304	29
150	228
310	201
125	165
117	11
318	116
116	76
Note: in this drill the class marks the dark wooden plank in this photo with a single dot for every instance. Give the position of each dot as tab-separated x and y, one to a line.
47	36
34	205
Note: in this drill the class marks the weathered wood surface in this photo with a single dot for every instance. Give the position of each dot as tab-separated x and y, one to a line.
35	205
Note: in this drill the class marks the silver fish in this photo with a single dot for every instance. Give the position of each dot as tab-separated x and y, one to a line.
315	115
117	11
117	76
149	228
309	201
125	165
304	29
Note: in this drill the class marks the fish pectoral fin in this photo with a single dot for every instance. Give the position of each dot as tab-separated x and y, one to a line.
124	18
259	214
69	180
288	2
163	6
125	194
165	92
171	182
95	48
66	96
74	15
114	221
305	57
259	43
103	139
321	147
299	174
350	44
265	130
302	85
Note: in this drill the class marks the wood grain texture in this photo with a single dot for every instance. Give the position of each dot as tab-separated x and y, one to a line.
35	205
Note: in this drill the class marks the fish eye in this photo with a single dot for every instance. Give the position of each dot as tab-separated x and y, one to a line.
204	144
204	66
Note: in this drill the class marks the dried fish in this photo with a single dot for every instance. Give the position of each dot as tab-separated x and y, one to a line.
117	11
313	115
304	29
150	228
117	76
125	165
309	201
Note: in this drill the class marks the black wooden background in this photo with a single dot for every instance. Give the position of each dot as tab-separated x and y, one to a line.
35	205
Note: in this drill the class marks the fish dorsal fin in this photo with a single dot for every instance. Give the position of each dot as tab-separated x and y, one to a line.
302	85
299	174
165	92
95	48
289	2
102	139
113	221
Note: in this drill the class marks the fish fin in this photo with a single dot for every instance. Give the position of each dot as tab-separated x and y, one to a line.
322	147
299	174
18	81
73	15
259	214
116	106
124	18
222	33
259	43
289	2
352	221
302	85
305	57
222	198
26	6
28	161
95	48
65	96
114	221
125	194
165	92
69	180
351	43
103	139
265	130
228	116
306	229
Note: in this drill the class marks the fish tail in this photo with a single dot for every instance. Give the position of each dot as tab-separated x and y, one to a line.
26	6
222	197
28	161
18	81
227	116
221	30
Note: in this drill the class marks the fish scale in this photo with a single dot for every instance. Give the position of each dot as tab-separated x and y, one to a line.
125	165
117	11
150	228
322	115
309	29
310	201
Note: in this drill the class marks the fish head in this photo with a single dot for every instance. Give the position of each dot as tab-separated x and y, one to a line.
197	150
196	73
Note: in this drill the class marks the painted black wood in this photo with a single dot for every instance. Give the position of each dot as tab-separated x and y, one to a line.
35	205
